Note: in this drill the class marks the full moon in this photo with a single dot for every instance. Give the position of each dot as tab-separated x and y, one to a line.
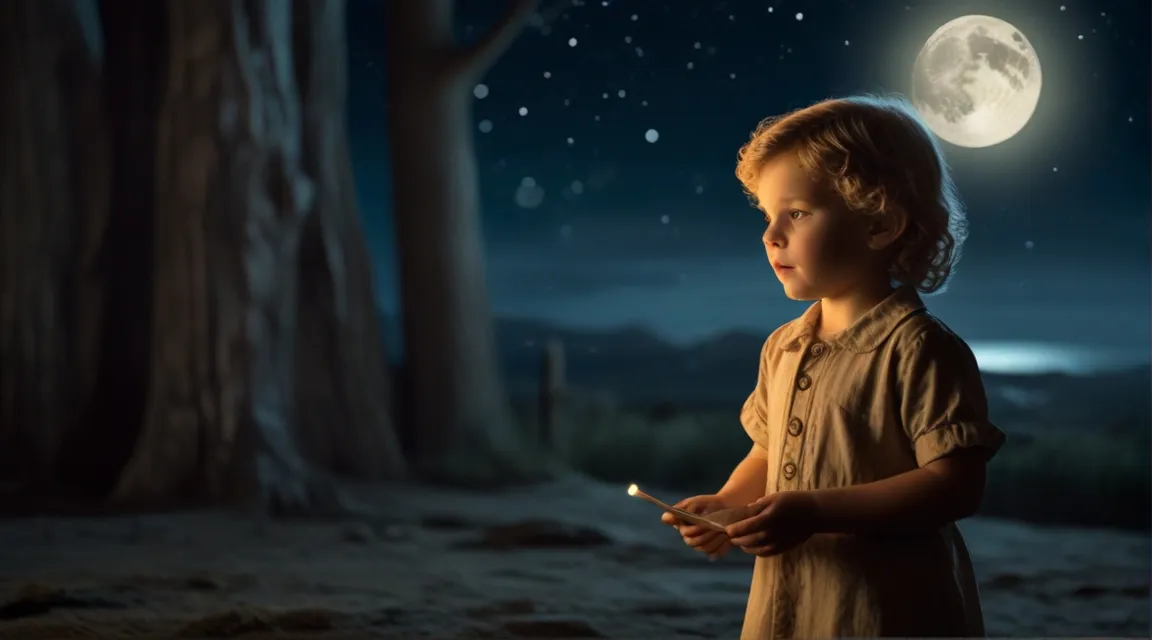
976	81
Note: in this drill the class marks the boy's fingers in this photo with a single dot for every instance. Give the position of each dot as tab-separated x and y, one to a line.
714	546
762	551
706	539
692	505
694	530
696	536
744	527
754	539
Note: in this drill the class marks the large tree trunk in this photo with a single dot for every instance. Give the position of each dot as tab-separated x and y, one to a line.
462	423
230	197
343	393
53	185
135	54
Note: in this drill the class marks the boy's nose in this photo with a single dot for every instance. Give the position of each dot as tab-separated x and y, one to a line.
772	236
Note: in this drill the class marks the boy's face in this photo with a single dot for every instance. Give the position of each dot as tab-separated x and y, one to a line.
817	248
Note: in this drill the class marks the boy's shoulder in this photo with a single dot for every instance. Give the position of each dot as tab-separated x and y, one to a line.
925	335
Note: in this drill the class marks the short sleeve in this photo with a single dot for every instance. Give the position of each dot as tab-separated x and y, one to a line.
943	405
754	413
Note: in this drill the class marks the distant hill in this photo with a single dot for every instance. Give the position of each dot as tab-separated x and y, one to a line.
641	368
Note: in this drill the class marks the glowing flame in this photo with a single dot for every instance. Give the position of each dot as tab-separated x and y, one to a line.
632	489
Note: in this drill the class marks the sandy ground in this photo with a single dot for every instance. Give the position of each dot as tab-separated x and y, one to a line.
583	560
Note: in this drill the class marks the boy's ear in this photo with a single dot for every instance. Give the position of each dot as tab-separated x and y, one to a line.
887	229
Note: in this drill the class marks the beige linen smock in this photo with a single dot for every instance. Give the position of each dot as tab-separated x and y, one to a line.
892	393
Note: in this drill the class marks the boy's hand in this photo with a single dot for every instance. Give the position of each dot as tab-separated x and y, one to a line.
775	523
714	544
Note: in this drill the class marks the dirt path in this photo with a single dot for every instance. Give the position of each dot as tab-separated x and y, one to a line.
596	564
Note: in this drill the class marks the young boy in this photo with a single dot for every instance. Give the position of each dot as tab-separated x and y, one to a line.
869	419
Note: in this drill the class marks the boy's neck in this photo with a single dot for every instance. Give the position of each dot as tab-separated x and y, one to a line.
840	312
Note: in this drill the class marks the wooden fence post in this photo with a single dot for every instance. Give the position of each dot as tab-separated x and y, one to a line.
550	397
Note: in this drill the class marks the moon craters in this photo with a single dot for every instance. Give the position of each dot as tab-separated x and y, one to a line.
976	81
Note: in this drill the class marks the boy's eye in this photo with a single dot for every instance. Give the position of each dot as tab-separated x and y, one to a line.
796	214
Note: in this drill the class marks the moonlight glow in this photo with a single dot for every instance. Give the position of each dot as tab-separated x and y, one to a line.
976	81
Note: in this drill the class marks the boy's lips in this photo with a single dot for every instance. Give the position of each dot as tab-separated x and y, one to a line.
777	266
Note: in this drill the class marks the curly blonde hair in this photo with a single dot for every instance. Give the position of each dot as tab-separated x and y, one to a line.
879	157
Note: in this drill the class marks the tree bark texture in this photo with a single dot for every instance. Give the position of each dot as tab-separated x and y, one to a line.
230	198
135	37
457	406
343	391
150	254
53	186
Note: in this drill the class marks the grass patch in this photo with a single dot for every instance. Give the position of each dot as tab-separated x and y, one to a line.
1055	477
1072	477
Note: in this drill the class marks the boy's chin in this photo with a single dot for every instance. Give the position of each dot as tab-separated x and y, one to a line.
800	294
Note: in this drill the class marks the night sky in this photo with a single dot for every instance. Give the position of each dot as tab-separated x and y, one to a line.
659	233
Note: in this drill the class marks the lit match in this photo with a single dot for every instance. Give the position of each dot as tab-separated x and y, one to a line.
635	492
